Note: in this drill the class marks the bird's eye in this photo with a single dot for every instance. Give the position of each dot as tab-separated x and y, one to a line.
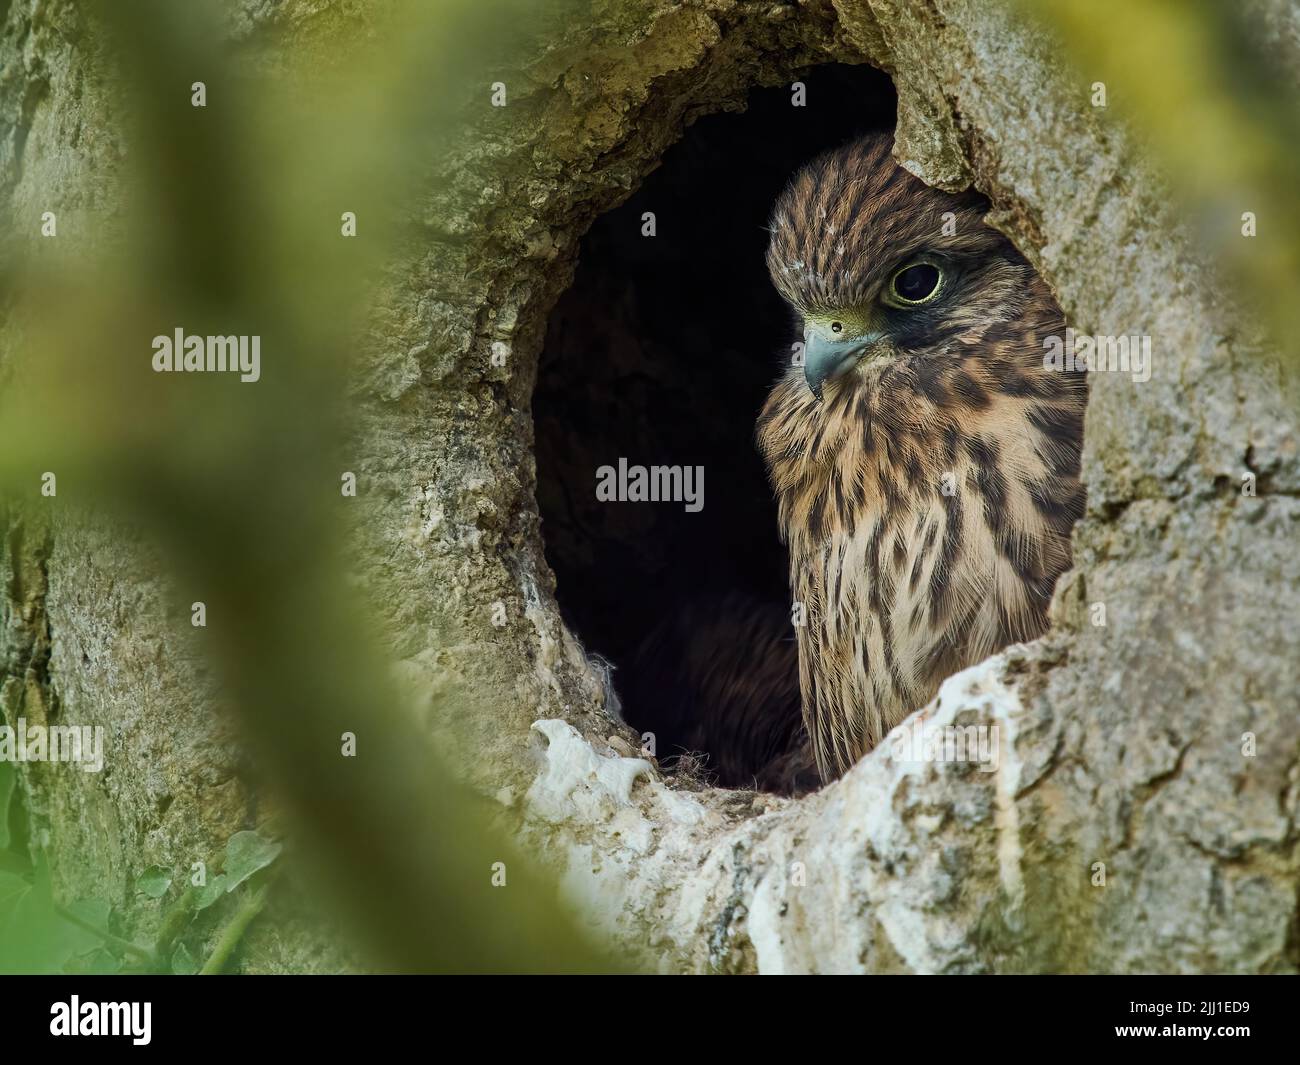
836	327
916	284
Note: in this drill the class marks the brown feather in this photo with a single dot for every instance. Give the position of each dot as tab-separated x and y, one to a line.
903	584
718	680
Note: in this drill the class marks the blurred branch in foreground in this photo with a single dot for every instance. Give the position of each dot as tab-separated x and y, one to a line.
1213	89
229	225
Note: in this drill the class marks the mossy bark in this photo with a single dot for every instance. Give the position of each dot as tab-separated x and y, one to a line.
1123	741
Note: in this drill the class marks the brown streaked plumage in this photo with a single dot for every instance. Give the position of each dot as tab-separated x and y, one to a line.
720	679
927	496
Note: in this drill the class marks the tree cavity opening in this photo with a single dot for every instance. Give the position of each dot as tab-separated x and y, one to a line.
661	354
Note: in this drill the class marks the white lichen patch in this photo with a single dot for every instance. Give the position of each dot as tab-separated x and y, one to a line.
869	873
622	840
996	707
578	782
682	808
977	698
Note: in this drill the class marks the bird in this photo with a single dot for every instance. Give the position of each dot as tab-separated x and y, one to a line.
924	458
716	682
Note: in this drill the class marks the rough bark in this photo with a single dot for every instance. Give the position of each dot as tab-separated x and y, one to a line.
1121	744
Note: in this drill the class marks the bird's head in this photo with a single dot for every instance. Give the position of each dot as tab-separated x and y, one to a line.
879	266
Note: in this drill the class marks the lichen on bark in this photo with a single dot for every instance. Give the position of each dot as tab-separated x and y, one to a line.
1123	741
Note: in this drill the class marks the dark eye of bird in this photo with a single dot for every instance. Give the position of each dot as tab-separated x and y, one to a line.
916	282
836	327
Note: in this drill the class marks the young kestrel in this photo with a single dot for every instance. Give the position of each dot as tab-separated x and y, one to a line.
924	459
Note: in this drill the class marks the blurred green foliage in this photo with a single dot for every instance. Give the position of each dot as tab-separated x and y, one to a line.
226	220
1212	91
39	935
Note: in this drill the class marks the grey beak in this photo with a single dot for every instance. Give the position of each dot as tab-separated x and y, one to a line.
825	360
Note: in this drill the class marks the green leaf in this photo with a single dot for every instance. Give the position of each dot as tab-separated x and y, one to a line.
154	882
7	781
92	911
214	889
34	938
12	888
102	962
183	962
18	941
246	854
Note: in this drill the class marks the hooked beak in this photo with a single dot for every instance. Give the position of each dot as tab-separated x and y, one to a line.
825	360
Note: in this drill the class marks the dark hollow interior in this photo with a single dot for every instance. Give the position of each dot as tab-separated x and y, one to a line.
662	352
